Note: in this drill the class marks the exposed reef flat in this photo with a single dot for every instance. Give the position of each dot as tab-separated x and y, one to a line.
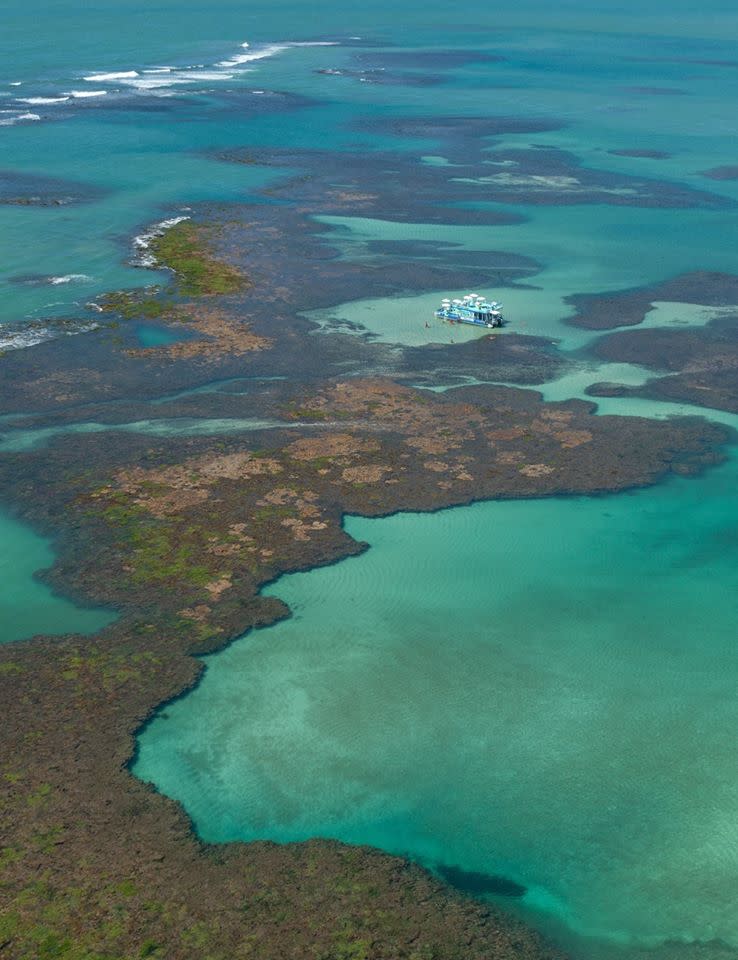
260	266
476	173
698	366
544	175
510	358
627	308
179	532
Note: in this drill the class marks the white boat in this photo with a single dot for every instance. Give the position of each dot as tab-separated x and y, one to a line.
473	309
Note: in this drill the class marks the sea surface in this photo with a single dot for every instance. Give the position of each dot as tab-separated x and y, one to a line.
543	690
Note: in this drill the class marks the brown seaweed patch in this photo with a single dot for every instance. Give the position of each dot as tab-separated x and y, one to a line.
368	473
536	470
169	490
219	333
333	445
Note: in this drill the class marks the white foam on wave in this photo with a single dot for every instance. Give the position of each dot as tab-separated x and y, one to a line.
17	118
20	337
160	81
269	51
70	278
207	75
107	77
41	101
17	339
82	94
15	83
143	257
157	81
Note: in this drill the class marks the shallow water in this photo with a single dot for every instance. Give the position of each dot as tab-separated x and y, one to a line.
19	440
547	692
27	606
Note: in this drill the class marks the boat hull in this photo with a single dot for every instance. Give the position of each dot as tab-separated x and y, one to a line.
454	317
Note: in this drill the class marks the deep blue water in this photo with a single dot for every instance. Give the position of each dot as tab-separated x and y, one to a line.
563	714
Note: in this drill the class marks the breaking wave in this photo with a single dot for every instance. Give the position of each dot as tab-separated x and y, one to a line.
158	80
70	278
143	257
9	121
19	338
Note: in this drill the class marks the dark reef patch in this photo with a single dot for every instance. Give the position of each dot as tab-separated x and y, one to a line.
398	186
552	176
642	154
383	185
544	175
425	59
702	364
627	308
192	106
477	884
456	255
507	358
721	173
465	128
27	189
382	76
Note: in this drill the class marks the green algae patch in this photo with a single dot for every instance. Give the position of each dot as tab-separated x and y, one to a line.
185	250
159	554
144	304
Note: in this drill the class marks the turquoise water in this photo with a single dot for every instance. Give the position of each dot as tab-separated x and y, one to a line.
27	606
547	690
151	336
